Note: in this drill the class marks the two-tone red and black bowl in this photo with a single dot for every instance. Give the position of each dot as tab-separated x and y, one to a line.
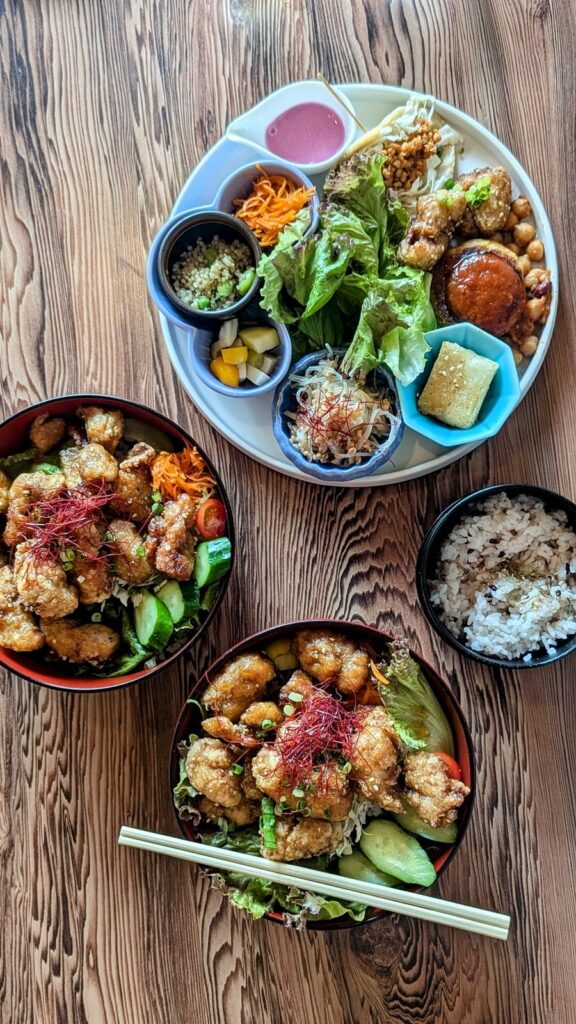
36	667
375	641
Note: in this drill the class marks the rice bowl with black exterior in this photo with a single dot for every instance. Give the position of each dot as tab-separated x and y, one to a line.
265	727
108	570
496	576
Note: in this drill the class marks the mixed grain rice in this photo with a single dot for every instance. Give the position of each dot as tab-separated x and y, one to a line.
506	578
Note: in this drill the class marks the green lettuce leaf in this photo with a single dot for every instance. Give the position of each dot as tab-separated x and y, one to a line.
184	792
358	185
408	697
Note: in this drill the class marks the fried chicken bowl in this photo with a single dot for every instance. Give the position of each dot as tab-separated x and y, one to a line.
116	542
330	744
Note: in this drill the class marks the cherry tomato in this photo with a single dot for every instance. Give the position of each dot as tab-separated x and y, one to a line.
454	769
211	519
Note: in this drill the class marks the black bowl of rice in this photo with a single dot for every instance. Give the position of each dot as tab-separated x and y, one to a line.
496	576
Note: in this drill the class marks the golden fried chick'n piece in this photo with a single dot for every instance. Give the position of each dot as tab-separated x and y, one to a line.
91	643
373	753
248	782
300	683
301	838
90	464
239	684
103	426
231	732
208	766
133	491
130	561
171	541
262	711
5	485
42	583
431	227
91	573
47	431
26	489
330	657
326	790
243	814
490	215
18	628
430	790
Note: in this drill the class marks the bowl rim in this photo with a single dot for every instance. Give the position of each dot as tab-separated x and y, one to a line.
328	471
447	519
174	228
377	635
477	433
105	685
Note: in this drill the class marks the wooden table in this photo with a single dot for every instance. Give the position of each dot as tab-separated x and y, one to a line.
106	106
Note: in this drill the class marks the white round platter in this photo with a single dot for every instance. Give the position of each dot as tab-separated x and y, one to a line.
247	424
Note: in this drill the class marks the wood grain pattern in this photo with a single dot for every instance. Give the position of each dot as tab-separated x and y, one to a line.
104	108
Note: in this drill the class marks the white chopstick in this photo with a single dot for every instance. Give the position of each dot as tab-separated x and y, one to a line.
382	897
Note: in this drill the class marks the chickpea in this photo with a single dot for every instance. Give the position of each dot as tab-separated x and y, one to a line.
497	237
513	248
535	250
518	357
535	308
523	234
529	346
511	221
532	279
525	264
521	207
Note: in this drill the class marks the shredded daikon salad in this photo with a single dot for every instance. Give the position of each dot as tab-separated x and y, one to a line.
338	419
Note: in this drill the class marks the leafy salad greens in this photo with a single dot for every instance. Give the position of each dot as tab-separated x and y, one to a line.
344	286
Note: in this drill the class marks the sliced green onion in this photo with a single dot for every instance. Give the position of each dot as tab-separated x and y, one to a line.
298	792
157	508
237	769
140	551
288	710
267	723
156	496
96	617
295	697
268	823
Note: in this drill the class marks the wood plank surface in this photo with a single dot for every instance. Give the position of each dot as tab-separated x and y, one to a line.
104	108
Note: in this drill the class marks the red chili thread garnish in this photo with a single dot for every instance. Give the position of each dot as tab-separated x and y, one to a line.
322	729
53	523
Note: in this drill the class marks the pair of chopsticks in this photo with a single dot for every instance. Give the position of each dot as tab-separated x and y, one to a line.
382	897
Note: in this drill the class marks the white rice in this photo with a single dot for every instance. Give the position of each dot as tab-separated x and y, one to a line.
505	581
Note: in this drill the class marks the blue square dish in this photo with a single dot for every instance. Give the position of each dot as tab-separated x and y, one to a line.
502	398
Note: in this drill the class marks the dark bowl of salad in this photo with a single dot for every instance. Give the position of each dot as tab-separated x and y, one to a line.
116	542
329	744
334	427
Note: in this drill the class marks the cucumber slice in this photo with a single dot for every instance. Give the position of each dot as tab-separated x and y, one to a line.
412	822
279	646
209	598
393	851
181	599
285	662
153	622
356	865
213	559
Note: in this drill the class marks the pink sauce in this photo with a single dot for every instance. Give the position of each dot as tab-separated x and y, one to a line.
306	134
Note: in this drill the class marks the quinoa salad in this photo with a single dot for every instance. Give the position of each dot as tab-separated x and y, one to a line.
505	581
214	274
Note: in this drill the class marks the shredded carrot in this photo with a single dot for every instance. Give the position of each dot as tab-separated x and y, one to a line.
176	473
272	204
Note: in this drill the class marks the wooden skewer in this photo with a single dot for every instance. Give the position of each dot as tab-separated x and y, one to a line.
337	97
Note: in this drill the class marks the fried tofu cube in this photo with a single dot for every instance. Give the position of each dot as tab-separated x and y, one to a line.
457	386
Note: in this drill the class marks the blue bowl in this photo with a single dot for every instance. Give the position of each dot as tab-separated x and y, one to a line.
285	401
502	398
239	184
199	359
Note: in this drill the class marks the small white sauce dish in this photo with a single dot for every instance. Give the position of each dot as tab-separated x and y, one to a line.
250	128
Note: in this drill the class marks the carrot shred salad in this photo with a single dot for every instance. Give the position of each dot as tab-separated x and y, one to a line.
176	473
273	203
